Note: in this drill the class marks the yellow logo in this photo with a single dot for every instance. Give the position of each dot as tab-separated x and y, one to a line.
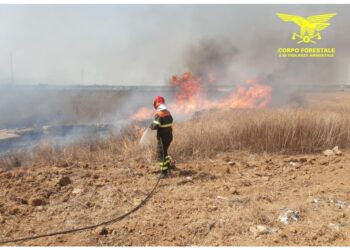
310	27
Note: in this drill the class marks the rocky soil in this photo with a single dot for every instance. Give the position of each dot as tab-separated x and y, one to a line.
232	199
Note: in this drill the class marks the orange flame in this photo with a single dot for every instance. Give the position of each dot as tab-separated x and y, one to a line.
256	95
142	114
190	97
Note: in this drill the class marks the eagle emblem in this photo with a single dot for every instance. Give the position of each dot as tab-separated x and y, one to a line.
310	27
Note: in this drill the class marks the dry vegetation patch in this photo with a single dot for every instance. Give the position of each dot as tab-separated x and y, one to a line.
281	130
284	130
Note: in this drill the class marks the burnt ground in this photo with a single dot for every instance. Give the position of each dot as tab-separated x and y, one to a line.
209	202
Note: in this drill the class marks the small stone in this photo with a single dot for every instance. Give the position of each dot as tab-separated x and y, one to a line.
283	236
89	204
246	183
295	164
303	159
14	211
39	208
211	225
324	163
265	178
339	203
261	229
313	200
234	191
64	181
99	184
22	201
251	164
328	152
269	160
336	226
289	159
188	178
337	151
212	208
289	216
37	201
231	163
77	191
103	231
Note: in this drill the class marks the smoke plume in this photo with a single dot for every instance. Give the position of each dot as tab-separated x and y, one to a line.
145	45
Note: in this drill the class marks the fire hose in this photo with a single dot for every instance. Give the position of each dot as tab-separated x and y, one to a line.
113	220
110	221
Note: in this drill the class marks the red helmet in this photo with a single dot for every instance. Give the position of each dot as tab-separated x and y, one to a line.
157	101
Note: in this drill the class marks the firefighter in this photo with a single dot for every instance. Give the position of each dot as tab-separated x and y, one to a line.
163	124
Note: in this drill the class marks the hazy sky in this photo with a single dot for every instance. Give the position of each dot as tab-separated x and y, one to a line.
146	44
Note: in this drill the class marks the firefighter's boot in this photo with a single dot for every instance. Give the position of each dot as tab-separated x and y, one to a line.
170	162
163	170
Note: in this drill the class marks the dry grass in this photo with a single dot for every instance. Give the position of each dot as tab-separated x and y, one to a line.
92	149
282	130
285	130
11	160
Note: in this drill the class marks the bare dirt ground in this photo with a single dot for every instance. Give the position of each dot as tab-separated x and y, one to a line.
209	202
